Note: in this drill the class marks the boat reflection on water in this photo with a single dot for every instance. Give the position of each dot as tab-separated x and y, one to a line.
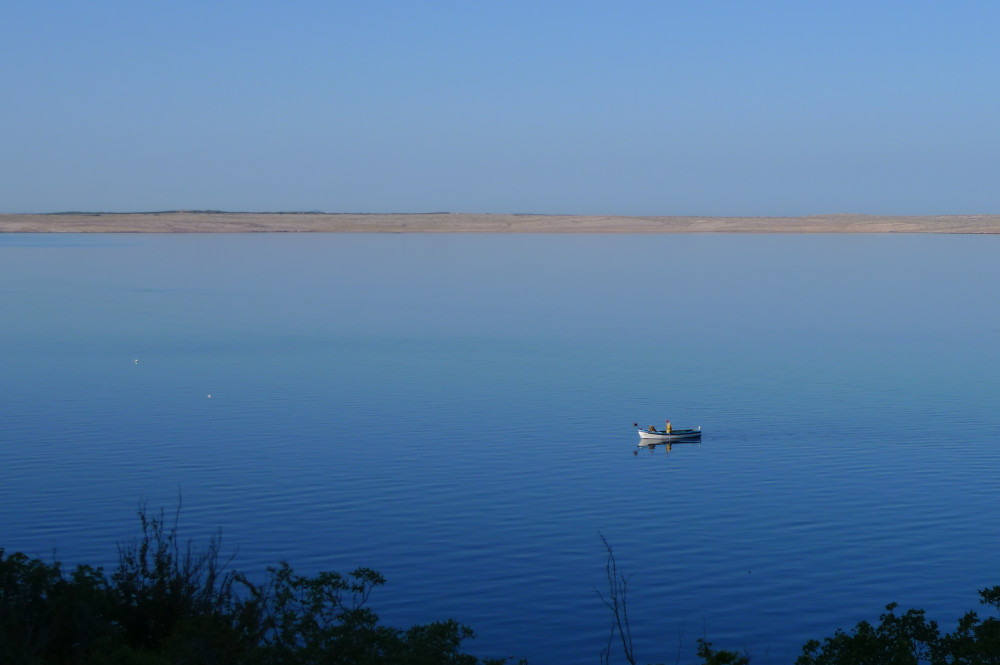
651	446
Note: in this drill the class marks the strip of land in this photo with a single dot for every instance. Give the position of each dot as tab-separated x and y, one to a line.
237	222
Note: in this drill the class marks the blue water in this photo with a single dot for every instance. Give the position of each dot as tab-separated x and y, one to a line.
456	411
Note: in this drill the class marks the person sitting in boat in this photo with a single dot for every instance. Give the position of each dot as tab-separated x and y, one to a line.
668	427
652	428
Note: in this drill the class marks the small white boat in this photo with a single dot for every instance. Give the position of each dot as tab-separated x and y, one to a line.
663	436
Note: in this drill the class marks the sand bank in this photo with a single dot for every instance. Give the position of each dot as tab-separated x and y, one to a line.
226	222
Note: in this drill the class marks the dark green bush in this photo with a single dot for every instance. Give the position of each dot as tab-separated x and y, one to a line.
170	603
173	604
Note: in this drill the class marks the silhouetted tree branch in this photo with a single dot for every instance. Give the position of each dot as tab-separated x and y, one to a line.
617	602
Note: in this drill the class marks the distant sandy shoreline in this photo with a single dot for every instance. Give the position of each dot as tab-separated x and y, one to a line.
226	222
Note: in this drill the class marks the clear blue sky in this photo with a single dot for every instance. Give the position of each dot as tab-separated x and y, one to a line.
648	108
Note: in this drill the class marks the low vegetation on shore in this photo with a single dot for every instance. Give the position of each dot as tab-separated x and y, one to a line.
909	638
172	603
169	602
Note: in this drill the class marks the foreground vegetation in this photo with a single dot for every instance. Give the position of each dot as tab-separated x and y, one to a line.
899	639
168	603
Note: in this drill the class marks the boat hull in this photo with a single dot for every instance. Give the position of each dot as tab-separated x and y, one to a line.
675	435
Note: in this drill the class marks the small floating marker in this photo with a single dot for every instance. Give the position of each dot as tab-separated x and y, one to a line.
209	397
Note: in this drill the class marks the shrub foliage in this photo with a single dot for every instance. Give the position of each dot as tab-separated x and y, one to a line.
168	602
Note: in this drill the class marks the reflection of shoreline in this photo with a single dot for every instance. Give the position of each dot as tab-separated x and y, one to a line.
224	222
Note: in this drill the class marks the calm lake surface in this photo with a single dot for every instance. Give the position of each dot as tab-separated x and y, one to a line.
456	412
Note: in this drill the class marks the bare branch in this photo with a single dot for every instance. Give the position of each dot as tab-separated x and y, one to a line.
617	602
